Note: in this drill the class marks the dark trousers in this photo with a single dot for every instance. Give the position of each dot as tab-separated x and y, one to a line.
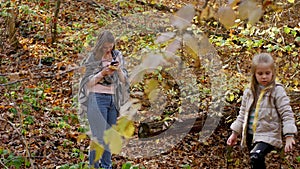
258	152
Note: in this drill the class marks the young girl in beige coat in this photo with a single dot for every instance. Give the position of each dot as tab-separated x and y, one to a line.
265	114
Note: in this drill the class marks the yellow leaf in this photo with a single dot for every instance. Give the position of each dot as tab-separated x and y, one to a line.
291	1
231	97
81	137
191	45
94	145
151	85
113	139
124	38
25	47
125	127
296	82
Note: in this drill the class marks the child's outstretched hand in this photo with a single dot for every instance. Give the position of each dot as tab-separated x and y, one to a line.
232	140
289	141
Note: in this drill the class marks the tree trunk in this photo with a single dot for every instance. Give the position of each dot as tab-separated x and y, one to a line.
54	21
11	26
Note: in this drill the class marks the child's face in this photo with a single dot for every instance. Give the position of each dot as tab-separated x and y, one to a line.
263	74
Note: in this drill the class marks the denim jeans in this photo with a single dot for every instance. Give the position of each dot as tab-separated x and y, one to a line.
102	114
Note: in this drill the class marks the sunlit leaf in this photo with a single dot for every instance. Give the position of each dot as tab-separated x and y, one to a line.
243	10
81	137
125	127
255	15
227	16
171	49
231	97
113	139
151	84
233	3
296	82
99	149
183	17
137	75
192	44
165	37
153	95
206	48
152	60
291	1
287	30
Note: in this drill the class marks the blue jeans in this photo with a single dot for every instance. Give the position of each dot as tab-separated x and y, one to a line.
102	114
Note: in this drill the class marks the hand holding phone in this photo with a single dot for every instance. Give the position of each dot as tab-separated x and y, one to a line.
114	65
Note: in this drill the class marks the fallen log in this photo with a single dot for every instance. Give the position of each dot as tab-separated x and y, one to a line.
154	128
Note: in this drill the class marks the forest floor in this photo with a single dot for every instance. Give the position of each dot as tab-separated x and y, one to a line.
47	131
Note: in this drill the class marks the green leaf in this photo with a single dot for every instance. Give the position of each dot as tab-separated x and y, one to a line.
17	161
126	165
287	30
230	97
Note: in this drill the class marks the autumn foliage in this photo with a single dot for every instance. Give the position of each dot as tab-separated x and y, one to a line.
187	60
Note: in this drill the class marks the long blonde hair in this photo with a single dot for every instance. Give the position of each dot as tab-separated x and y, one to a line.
262	58
105	36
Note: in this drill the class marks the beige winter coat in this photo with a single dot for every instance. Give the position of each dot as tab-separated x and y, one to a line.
273	120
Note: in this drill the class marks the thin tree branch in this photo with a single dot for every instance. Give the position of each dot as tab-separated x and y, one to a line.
22	139
3	165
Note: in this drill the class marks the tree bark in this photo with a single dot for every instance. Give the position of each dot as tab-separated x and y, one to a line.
54	21
11	26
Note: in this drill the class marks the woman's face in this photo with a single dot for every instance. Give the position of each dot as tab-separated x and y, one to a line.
264	74
107	47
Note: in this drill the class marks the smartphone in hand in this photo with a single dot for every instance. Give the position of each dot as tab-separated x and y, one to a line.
114	65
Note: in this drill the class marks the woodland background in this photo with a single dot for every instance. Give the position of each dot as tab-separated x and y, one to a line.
43	42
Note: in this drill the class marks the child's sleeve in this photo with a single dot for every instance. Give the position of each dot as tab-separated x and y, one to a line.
237	125
285	111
